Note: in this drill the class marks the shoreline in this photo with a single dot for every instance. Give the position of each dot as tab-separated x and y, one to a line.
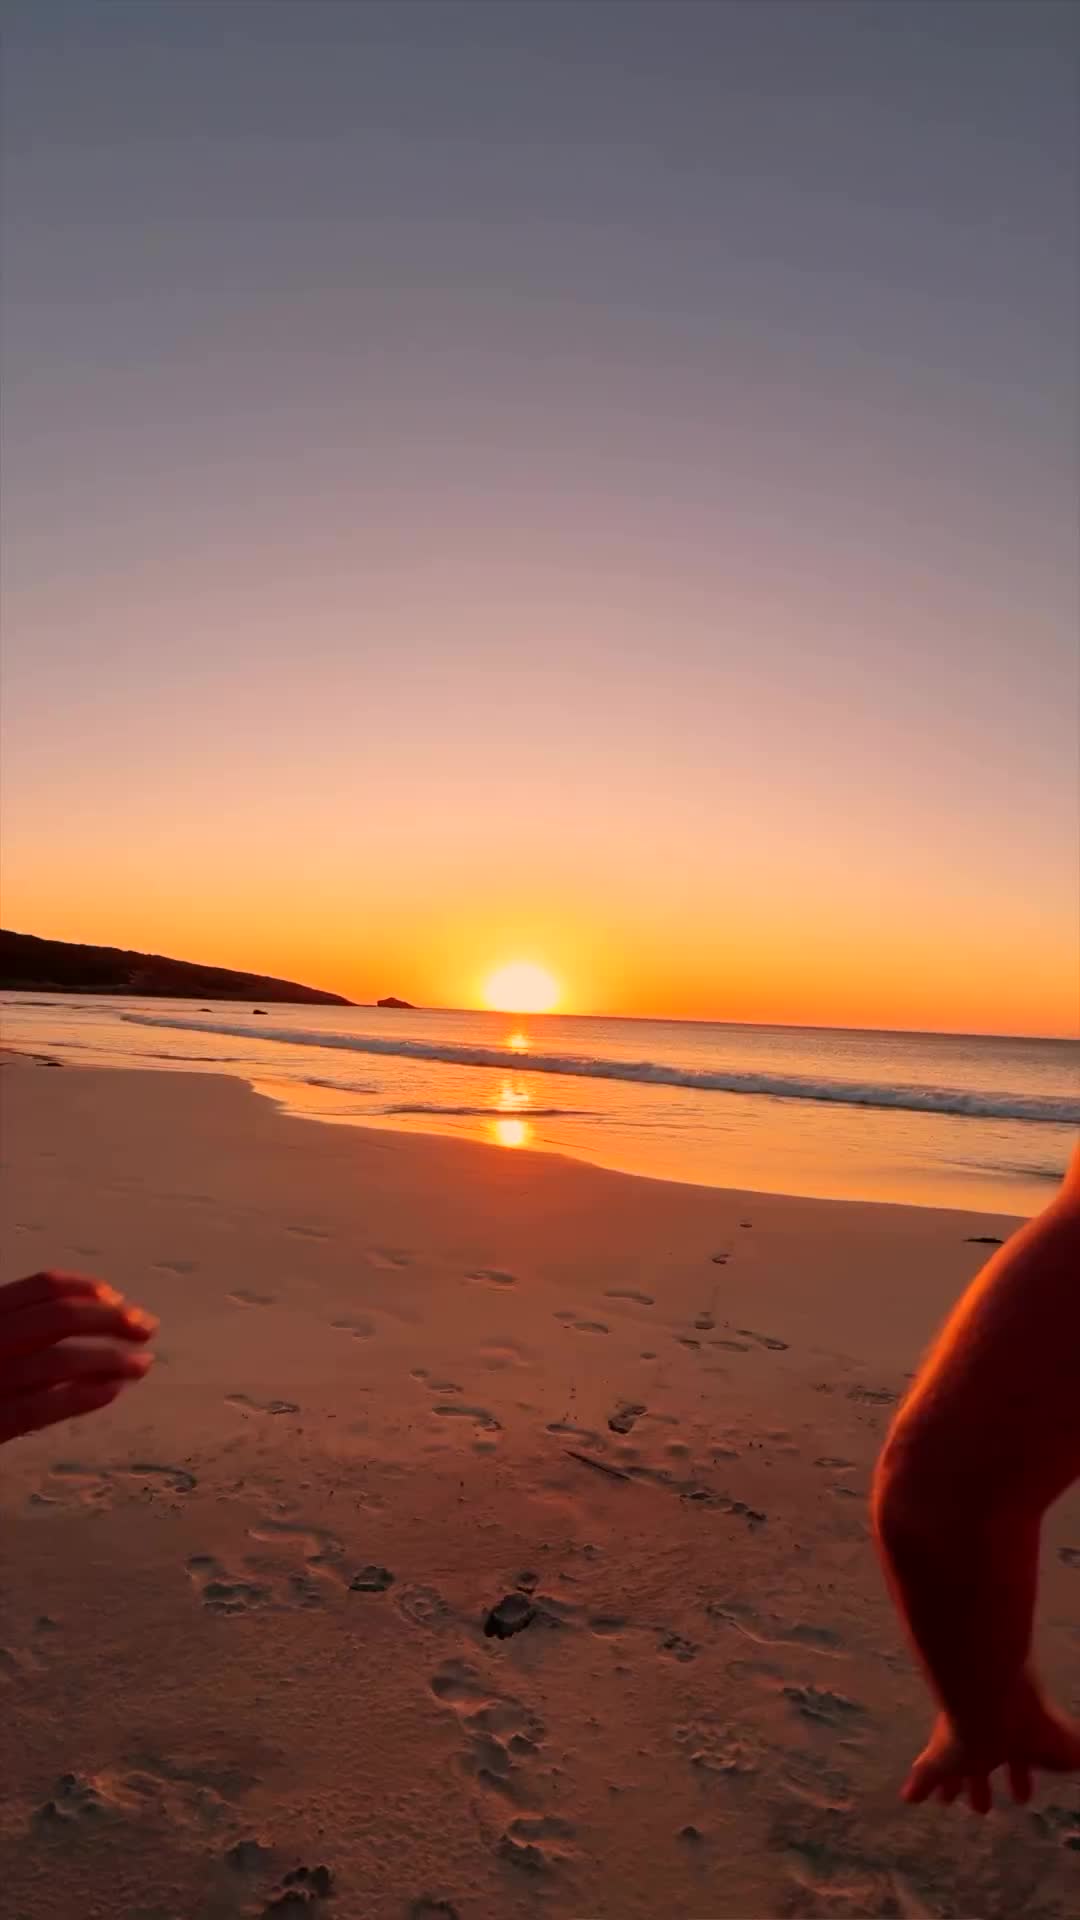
265	1086
260	1087
399	1379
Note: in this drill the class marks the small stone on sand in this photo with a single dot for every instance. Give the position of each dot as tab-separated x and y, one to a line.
512	1615
371	1580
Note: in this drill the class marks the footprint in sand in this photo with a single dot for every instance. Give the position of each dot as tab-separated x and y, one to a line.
830	1877
873	1396
248	1405
585	1436
732	1346
537	1844
309	1233
392	1259
362	1327
625	1414
479	1416
248	1856
222	1591
425	1607
675	1647
606	1626
497	1358
318	1547
69	1481
491	1277
299	1890
247	1297
630	1293
764	1340
713	1746
826	1708
499	1731
76	1799
704	1323
816	1787
175	1266
834	1463
181	1796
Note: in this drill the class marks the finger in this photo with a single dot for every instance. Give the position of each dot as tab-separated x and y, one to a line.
1020	1782
43	1325
29	1412
39	1288
918	1786
979	1793
73	1360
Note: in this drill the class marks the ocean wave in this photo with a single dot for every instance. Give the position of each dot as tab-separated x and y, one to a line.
343	1086
493	1113
1047	1109
1015	1168
199	1059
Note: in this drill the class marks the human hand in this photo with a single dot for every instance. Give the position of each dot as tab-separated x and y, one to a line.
1033	1735
68	1345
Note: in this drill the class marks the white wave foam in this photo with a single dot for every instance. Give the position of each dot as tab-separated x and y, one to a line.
343	1086
1047	1109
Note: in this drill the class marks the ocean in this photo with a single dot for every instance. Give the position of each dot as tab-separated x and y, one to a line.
927	1119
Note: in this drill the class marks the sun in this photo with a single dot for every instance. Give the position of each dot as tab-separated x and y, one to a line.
521	987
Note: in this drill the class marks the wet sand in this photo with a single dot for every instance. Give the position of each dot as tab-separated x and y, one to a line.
252	1654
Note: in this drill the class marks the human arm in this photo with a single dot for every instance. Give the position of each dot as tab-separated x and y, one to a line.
68	1345
987	1439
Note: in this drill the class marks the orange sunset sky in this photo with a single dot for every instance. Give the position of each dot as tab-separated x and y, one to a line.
470	498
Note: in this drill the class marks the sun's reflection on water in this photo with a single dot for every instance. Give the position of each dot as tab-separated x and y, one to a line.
509	1127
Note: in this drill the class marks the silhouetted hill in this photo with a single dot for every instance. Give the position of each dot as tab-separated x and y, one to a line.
59	966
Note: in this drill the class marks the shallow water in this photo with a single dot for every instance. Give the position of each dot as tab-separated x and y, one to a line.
930	1119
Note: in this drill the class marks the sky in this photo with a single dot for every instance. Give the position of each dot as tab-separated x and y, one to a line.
594	485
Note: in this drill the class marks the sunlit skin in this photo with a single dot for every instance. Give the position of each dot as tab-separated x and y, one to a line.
521	987
987	1440
69	1345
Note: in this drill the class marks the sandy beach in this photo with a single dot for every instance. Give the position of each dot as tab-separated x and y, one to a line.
243	1660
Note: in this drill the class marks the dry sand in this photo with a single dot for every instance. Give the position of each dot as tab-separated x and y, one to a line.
457	1372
